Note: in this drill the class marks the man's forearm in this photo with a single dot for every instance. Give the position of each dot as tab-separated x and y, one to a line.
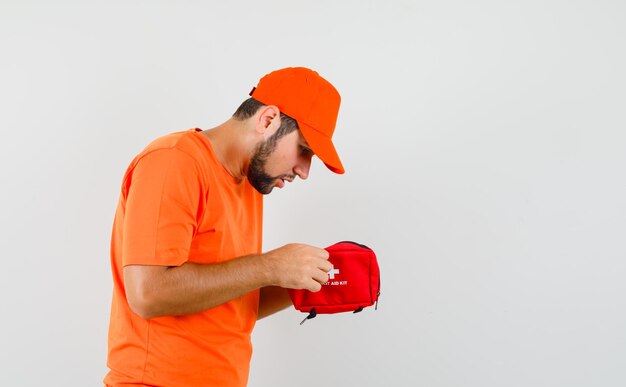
155	291
273	299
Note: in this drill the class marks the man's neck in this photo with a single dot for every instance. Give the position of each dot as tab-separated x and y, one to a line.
229	142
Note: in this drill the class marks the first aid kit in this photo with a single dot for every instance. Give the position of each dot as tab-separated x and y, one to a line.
353	283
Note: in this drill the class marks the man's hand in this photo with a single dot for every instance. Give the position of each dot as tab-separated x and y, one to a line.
298	266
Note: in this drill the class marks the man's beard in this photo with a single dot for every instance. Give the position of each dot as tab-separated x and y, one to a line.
256	174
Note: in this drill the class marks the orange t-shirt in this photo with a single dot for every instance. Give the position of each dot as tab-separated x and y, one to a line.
179	204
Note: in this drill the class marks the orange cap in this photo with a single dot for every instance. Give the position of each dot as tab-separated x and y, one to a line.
312	101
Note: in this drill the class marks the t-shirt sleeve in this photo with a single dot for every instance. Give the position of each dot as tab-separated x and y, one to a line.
161	209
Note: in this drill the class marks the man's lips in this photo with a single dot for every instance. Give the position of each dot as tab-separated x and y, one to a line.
280	182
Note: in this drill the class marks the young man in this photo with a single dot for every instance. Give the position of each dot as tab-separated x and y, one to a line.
189	276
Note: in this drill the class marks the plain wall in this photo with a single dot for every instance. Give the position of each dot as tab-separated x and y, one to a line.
484	144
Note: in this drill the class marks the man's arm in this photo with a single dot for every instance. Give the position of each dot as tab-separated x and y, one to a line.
154	291
273	299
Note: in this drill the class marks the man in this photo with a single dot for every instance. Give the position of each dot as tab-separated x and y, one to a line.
189	277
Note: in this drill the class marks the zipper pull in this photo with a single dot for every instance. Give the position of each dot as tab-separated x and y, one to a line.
311	315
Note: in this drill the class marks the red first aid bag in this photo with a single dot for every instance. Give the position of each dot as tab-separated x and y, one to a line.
353	282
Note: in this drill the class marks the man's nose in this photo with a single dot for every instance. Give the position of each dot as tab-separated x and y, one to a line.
303	166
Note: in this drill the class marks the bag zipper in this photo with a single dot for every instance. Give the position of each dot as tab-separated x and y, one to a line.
354	243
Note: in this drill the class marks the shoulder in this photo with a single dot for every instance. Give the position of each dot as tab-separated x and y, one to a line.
184	141
173	151
178	145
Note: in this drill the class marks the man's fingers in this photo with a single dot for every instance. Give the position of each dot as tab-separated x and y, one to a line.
315	287
325	266
299	266
321	276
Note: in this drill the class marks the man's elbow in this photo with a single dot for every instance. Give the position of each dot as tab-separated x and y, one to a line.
142	295
142	302
140	292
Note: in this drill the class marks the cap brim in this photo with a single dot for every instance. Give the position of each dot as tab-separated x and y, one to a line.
323	148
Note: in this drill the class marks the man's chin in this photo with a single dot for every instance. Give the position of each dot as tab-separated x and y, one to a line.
262	183
265	189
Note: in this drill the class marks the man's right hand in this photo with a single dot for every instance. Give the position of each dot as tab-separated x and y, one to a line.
298	266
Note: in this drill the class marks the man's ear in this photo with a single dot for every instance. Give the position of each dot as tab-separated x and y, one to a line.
268	120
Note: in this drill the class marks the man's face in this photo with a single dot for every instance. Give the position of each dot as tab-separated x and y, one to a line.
276	161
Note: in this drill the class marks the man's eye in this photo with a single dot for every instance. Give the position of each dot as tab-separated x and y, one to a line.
305	150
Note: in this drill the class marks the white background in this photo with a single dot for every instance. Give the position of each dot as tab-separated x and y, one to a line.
484	143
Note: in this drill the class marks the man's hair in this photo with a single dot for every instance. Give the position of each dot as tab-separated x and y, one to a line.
249	107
